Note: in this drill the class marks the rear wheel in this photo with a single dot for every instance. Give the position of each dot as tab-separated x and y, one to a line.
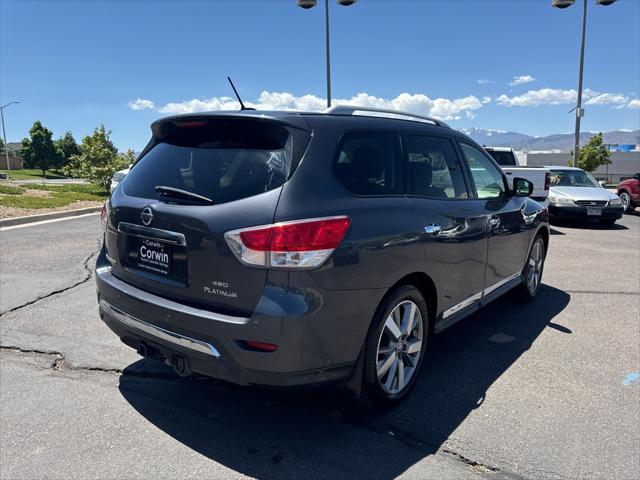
625	199
532	272
395	347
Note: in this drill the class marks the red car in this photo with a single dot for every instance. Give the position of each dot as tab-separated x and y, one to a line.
629	193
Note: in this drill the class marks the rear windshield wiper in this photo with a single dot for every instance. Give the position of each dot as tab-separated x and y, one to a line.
176	192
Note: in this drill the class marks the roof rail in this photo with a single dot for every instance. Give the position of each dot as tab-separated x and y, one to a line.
382	112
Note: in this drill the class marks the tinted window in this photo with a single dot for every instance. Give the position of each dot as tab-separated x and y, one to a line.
369	163
486	176
433	168
224	160
504	158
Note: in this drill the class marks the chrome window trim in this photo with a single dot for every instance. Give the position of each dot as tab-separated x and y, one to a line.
157	332
478	296
105	275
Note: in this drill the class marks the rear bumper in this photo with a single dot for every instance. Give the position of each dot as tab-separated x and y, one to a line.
312	348
580	213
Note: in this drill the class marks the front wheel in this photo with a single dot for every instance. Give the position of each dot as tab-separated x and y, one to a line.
395	347
532	272
625	199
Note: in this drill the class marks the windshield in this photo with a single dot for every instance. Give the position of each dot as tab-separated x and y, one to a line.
503	158
222	161
572	178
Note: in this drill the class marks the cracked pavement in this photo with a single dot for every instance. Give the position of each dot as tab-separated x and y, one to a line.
515	391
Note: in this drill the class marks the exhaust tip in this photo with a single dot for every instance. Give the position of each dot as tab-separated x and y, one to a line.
181	365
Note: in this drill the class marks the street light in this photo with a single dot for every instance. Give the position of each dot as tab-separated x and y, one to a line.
578	109
306	4
4	134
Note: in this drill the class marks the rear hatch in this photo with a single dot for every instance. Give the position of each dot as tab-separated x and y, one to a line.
198	178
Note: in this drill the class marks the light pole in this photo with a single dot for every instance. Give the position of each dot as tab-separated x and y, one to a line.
306	4
4	134
579	111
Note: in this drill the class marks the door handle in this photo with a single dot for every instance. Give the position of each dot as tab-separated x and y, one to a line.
433	230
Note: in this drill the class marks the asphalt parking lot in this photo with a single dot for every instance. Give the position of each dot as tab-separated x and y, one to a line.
543	390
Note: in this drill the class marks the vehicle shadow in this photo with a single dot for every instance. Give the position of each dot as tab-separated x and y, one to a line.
319	433
589	225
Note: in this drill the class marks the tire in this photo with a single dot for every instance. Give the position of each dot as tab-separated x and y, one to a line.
386	356
607	222
531	279
625	198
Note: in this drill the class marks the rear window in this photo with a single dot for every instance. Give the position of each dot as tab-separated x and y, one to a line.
221	159
505	159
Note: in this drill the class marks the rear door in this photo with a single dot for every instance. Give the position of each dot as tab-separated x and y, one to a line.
170	243
506	227
453	225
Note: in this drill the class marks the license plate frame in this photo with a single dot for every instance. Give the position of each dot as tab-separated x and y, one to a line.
594	212
154	256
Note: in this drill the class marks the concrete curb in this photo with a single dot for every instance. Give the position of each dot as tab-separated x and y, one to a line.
6	222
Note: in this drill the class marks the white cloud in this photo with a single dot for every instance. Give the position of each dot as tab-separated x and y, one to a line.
535	98
141	104
443	108
484	81
486	100
557	96
607	99
521	80
635	103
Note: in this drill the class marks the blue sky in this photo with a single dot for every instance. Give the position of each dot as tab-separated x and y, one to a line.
75	65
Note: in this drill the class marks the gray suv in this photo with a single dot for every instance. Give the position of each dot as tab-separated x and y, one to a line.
287	249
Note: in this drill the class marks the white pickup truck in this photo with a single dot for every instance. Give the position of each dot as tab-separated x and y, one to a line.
539	176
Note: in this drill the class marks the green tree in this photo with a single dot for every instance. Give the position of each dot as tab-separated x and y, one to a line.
38	151
99	159
1	147
67	148
594	154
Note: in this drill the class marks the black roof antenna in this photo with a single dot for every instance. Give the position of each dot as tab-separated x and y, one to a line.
242	107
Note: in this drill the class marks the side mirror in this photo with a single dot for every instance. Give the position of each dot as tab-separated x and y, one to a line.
522	187
602	183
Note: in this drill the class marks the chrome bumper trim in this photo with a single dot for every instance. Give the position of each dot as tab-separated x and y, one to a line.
157	332
105	275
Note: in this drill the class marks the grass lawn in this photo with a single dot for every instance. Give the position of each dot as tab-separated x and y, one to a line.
32	174
52	195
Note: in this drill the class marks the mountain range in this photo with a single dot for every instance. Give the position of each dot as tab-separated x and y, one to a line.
556	141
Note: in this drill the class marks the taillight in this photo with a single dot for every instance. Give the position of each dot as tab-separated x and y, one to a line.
296	244
547	180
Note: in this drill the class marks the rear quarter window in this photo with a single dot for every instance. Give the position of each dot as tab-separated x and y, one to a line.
369	163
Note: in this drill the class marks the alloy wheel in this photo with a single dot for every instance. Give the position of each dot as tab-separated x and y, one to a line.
399	347
534	267
625	200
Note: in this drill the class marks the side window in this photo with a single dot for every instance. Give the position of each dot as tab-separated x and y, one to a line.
486	176
369	163
433	168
